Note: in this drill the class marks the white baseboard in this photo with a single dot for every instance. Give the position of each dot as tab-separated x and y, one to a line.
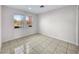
58	38
18	37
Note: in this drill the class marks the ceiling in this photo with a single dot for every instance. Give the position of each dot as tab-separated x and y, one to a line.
36	8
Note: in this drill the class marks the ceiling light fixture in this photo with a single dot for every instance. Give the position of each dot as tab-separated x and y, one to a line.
29	8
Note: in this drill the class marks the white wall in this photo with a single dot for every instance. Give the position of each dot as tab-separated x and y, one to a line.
78	25
60	24
8	31
0	27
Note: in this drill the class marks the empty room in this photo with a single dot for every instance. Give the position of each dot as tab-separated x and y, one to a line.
39	29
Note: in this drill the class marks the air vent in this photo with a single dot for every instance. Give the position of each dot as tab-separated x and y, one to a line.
42	6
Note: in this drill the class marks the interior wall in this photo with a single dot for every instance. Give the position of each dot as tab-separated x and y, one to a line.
77	22
0	27
59	23
8	31
78	25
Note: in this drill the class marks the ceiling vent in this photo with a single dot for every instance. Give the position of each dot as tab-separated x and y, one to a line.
42	6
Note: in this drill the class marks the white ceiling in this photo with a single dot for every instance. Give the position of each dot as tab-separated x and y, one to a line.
36	8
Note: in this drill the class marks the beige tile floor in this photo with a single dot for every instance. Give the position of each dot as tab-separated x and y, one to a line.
40	44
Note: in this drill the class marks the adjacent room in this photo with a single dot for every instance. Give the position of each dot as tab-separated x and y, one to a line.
39	29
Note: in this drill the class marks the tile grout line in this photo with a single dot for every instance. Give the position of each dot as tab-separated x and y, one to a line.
67	48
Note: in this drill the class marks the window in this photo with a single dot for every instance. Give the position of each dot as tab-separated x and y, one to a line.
29	21
18	21
21	21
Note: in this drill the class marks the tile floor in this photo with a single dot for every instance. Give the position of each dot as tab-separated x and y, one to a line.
39	44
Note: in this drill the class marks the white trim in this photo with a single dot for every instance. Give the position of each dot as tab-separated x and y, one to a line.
58	38
77	25
0	27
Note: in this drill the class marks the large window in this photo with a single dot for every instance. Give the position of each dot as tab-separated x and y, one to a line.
29	21
20	21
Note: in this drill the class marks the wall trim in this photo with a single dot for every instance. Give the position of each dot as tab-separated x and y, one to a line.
77	25
58	38
18	38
